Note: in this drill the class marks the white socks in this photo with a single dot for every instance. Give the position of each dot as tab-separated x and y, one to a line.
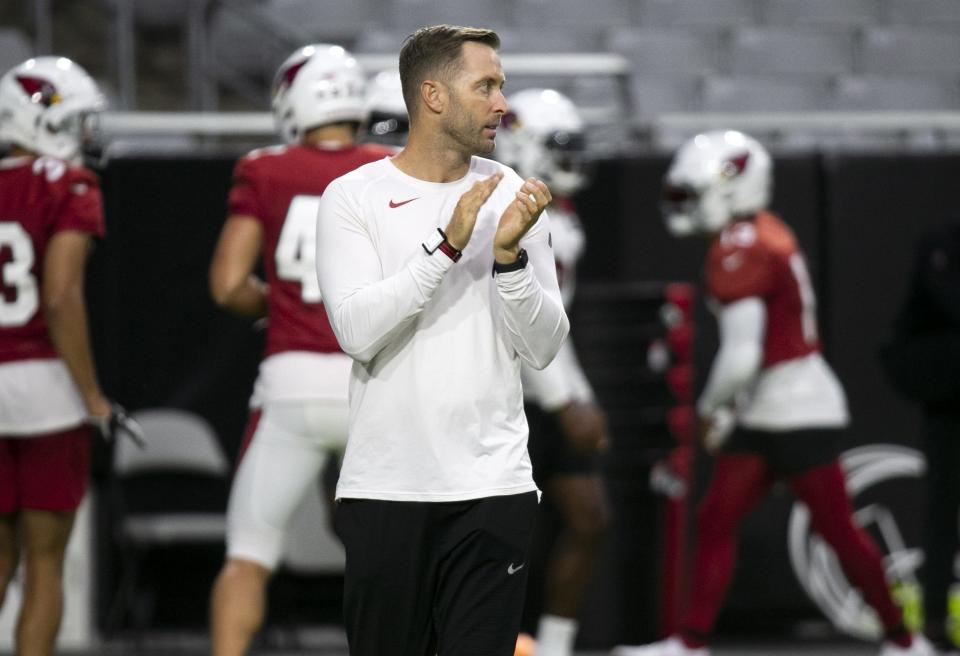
555	636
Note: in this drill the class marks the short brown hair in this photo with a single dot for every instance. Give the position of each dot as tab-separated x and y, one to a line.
435	50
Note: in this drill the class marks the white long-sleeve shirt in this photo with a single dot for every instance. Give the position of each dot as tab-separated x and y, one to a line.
436	406
563	380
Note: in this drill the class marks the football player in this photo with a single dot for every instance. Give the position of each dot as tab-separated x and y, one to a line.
387	121
543	137
50	212
768	382
299	402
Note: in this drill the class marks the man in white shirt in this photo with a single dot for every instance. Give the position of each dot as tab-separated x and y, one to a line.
437	274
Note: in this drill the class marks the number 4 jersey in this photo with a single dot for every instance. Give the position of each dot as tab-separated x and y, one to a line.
280	187
759	258
39	197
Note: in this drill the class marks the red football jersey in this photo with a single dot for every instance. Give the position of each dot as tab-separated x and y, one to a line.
759	257
39	196
281	186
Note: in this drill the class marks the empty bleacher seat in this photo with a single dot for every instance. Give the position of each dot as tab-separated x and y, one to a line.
694	13
14	49
326	20
880	93
922	12
907	50
379	42
653	95
408	15
230	27
537	14
756	50
554	39
764	94
670	51
821	12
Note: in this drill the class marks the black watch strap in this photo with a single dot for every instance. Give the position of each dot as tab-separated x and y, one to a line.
516	265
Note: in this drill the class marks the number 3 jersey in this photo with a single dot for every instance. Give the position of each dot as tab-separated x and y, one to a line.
39	197
280	187
796	388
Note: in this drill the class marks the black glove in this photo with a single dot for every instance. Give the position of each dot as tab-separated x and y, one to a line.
119	424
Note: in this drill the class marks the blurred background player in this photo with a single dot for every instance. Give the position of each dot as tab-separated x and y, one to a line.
544	138
768	382
387	121
50	209
922	361
299	402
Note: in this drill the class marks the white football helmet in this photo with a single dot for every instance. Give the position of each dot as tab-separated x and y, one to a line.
542	136
318	84
387	119
714	177
47	105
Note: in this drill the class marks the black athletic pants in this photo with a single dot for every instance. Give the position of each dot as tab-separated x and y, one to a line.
444	578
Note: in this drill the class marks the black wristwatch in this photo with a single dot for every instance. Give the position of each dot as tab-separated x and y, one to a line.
516	265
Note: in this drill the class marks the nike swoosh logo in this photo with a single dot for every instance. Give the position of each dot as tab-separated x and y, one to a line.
403	202
513	570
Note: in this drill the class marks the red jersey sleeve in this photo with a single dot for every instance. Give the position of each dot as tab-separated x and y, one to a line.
82	205
244	200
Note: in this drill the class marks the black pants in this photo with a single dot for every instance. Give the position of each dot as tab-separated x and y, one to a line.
941	446
425	579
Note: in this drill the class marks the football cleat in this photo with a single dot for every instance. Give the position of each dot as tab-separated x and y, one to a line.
920	647
672	646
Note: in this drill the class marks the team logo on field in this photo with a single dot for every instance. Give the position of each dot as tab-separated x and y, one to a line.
875	474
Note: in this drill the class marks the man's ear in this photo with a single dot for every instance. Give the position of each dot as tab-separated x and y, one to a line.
434	95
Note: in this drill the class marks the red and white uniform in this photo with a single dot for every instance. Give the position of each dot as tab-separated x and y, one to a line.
303	380
758	258
39	196
281	187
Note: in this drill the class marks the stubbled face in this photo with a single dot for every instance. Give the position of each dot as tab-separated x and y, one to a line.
476	101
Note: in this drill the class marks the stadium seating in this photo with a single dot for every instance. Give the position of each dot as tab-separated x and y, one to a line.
791	51
898	93
922	12
697	13
667	52
908	50
763	93
804	13
14	48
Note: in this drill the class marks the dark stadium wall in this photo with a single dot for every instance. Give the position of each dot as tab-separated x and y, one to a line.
877	206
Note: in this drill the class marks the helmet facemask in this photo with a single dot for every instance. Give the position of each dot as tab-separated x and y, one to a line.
387	120
542	136
564	161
